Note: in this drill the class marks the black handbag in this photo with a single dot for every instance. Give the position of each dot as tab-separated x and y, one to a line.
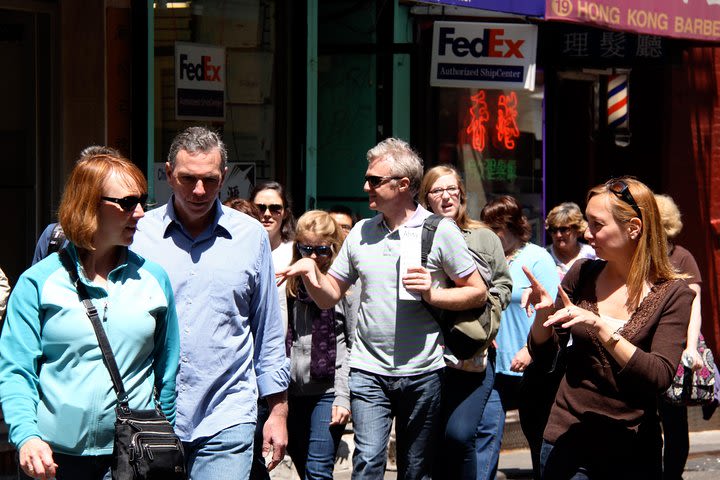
146	446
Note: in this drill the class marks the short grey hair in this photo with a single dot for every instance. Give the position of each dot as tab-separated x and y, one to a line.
403	160
197	139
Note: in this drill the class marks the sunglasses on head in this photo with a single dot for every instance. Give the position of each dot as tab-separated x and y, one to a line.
129	203
308	250
621	190
275	208
375	180
562	230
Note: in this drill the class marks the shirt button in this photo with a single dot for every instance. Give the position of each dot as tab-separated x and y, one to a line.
185	359
187	330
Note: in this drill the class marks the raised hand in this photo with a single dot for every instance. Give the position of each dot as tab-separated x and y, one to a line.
535	297
305	267
571	315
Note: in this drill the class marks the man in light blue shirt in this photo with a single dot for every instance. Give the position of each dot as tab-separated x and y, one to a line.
232	343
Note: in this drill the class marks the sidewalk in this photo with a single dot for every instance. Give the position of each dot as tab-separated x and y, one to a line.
703	461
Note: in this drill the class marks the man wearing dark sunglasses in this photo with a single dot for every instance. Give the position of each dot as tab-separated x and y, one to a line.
397	359
232	339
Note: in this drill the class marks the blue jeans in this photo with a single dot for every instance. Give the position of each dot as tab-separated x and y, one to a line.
78	467
312	443
504	397
580	472
489	437
414	401
229	452
465	395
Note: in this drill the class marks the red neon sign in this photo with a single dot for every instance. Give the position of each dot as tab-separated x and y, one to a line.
480	114
506	129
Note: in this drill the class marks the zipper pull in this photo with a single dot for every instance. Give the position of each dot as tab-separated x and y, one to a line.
149	453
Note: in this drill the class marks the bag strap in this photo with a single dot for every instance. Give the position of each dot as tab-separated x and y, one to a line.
57	239
108	357
427	237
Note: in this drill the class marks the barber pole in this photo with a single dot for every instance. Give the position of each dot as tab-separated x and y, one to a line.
617	106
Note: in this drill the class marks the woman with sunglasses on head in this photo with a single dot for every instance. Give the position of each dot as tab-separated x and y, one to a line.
318	343
467	382
627	315
565	224
55	389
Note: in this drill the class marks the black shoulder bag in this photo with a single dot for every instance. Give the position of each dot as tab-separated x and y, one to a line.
146	447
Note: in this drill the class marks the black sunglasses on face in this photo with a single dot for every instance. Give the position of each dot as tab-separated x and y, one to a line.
129	203
621	190
320	251
562	230
275	208
375	180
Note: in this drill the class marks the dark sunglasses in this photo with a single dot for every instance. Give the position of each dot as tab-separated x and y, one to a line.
129	203
320	251
275	208
375	180
621	190
562	230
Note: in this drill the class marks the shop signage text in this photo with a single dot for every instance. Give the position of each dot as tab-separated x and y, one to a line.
199	82
483	55
699	19
490	45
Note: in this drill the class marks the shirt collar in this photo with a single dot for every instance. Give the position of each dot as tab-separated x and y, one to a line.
219	224
416	220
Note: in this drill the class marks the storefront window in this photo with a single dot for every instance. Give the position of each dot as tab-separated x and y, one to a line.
244	32
495	138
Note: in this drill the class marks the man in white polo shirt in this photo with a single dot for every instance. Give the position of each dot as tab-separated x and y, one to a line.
396	362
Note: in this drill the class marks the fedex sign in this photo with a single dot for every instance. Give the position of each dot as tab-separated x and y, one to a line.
204	70
491	44
483	55
199	82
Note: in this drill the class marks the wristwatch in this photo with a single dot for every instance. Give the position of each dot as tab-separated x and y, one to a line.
614	338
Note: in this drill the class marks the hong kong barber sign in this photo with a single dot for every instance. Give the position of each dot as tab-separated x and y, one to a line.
483	55
199	82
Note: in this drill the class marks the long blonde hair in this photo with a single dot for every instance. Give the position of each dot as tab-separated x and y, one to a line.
650	262
320	223
462	219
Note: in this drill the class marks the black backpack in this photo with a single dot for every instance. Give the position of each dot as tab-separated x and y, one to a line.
469	331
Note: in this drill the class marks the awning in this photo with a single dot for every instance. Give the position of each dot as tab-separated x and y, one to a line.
688	19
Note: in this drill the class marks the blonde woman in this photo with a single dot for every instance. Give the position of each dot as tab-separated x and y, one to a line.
628	316
318	341
674	418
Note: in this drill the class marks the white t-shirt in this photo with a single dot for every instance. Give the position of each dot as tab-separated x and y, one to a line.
282	256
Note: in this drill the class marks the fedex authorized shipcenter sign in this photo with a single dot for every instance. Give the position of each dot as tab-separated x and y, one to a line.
483	55
199	82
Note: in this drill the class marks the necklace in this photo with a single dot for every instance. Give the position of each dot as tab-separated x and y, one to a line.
510	257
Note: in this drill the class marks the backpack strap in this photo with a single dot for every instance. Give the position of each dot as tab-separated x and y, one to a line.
57	239
428	236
